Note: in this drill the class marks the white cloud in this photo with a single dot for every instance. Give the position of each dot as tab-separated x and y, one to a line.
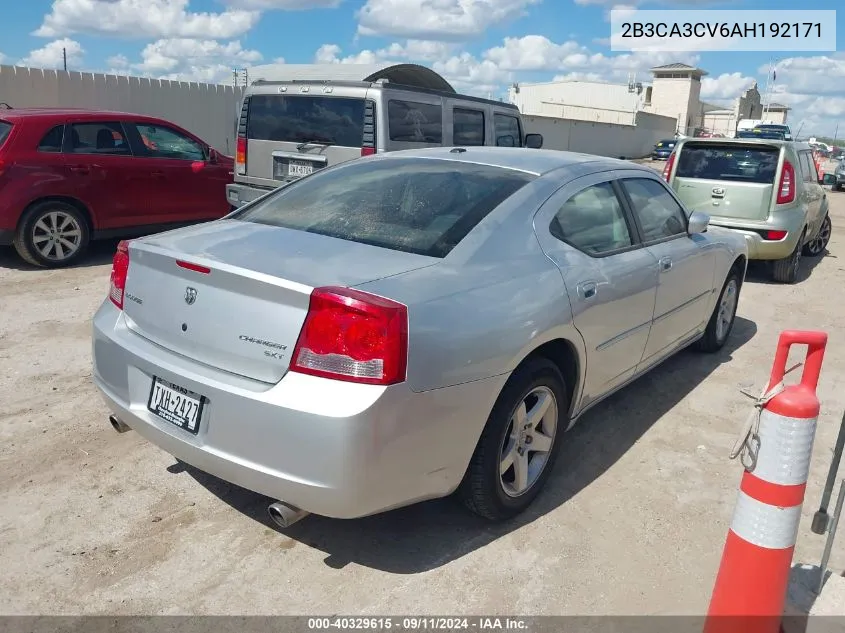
142	19
725	86
437	19
118	61
2	58
188	59
284	5
412	50
52	55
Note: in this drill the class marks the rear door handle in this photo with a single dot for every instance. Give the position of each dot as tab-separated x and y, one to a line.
665	263
157	174
80	169
587	289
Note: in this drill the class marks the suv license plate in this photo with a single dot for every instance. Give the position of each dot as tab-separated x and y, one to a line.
300	169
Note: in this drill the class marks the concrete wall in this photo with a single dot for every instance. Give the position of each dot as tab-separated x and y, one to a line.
207	110
604	139
582	100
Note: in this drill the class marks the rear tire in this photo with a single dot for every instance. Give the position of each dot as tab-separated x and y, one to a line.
818	244
520	442
785	270
724	315
52	234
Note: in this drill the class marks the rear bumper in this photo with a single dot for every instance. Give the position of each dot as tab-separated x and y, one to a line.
239	195
760	248
336	449
6	237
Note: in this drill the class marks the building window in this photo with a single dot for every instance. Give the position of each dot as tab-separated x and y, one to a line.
648	96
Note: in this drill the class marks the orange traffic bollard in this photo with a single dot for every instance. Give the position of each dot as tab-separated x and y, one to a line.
750	590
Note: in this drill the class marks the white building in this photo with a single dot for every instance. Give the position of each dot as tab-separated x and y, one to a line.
594	101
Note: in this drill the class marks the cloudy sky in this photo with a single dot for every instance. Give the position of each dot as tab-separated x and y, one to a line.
481	46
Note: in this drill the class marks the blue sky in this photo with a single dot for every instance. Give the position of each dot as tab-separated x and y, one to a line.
480	45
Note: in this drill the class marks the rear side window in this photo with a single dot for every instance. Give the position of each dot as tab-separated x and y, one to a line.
507	130
413	122
415	205
52	141
592	221
5	130
467	127
660	216
299	119
808	167
749	163
98	138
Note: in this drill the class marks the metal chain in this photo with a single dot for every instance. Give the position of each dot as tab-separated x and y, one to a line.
747	447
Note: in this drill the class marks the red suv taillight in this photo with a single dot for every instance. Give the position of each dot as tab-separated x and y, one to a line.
786	189
667	170
240	155
119	271
353	336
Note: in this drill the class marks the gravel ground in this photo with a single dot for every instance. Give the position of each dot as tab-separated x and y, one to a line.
632	521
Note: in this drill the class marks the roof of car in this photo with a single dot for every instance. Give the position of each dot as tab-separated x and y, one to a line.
535	161
79	113
750	141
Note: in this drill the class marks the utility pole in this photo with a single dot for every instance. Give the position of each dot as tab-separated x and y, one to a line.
836	133
64	57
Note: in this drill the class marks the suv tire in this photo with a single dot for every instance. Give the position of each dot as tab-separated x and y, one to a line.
785	270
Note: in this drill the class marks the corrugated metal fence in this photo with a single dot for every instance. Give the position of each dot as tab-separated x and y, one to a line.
207	110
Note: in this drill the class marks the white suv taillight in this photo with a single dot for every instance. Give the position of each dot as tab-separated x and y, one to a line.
353	336
786	190
119	271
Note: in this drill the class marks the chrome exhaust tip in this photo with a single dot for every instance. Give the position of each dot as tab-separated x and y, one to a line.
284	515
118	425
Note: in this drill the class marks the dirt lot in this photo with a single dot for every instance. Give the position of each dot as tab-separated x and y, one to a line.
633	520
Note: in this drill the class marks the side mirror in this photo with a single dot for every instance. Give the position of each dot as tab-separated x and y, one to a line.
213	156
698	222
828	179
534	141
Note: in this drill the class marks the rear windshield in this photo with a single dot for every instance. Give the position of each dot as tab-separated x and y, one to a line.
297	119
728	162
5	128
414	205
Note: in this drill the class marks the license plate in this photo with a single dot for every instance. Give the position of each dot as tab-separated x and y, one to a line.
300	169
176	404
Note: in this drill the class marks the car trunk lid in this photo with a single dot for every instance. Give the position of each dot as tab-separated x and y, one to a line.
234	295
728	180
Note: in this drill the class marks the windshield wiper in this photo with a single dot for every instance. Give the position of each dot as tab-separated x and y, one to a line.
315	141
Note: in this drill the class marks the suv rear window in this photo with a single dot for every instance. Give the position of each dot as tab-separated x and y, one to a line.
421	206
297	119
5	129
728	162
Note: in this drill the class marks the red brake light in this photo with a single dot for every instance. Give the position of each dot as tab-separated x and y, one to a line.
368	151
775	235
667	170
240	155
119	271
786	189
353	336
195	267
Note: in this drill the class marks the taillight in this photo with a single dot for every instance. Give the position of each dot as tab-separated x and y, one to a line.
119	271
667	170
775	235
353	336
240	155
786	189
368	151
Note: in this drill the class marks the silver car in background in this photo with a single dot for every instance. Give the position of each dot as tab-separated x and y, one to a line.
404	326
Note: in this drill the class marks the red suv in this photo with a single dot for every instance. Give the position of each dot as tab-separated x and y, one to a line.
70	176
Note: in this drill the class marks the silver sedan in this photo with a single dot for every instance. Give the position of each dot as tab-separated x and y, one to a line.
409	325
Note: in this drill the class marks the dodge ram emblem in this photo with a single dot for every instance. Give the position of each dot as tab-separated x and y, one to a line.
190	295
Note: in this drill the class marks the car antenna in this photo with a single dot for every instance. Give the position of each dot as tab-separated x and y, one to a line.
457	150
6	105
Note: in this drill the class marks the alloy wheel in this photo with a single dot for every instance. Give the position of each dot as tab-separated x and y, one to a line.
727	310
528	441
57	235
817	245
